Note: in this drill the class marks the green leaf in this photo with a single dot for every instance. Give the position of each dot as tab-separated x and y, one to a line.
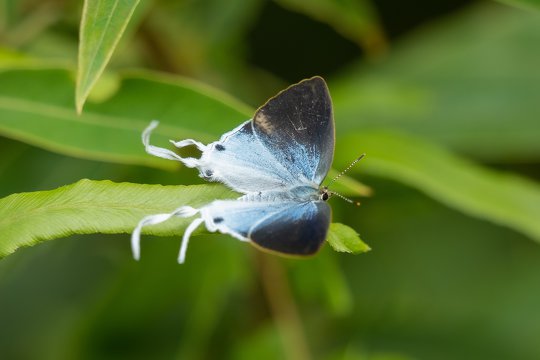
111	130
344	239
88	207
354	19
505	199
102	25
42	114
525	4
469	82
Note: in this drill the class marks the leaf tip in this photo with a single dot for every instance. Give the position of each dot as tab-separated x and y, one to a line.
345	239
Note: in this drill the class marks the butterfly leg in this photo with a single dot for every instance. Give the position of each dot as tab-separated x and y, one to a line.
185	239
183	211
168	154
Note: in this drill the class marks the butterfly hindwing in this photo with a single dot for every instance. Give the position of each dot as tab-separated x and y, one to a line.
297	230
236	217
286	227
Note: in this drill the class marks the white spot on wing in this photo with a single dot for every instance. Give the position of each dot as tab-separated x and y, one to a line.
263	123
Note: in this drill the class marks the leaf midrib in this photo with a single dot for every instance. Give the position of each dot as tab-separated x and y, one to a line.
83	205
118	122
93	59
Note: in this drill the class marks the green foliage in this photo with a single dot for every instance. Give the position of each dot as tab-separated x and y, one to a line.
88	207
347	242
526	4
102	25
456	84
448	118
44	114
505	199
354	19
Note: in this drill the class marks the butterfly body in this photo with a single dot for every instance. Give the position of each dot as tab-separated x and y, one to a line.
278	161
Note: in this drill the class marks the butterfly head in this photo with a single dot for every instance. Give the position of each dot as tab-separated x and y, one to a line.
325	194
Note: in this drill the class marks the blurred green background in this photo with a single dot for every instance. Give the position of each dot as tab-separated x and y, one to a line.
446	89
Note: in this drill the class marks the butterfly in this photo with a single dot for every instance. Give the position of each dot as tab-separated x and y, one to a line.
278	161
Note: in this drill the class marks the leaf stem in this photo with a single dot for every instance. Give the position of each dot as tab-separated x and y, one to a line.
283	307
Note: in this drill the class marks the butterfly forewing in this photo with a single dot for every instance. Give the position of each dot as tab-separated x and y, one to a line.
243	163
297	125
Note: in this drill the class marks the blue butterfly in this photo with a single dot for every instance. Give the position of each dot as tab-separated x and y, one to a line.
278	160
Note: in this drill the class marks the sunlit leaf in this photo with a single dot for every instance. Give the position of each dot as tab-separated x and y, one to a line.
88	207
95	207
344	239
102	25
111	131
505	199
469	82
42	115
525	4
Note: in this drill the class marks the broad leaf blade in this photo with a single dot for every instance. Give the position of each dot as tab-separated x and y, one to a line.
525	4
88	207
43	115
505	199
95	207
102	25
111	131
470	82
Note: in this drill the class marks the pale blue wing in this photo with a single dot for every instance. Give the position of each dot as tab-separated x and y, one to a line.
242	162
286	227
289	143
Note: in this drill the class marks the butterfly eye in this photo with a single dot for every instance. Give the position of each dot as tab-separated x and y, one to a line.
324	194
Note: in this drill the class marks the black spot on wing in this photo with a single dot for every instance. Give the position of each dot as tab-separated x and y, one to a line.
218	220
220	147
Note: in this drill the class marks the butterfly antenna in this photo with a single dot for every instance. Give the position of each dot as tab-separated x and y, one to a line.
347	169
340	175
357	203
